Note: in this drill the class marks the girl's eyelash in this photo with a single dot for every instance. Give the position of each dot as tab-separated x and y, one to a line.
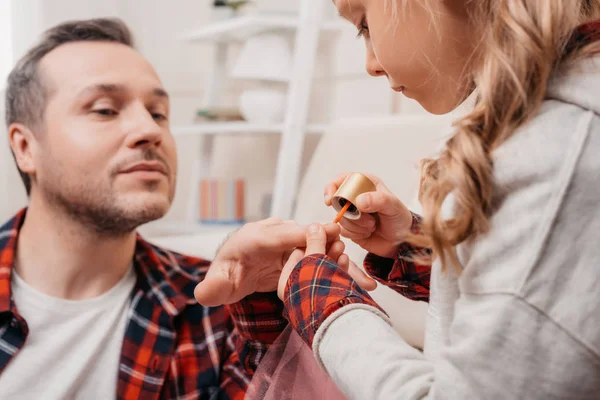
362	29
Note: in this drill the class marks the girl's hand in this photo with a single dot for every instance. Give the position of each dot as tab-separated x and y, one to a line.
385	221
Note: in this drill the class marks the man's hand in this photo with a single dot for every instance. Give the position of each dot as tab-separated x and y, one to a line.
316	243
251	260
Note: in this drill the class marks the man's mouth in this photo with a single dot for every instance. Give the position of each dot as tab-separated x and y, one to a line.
147	169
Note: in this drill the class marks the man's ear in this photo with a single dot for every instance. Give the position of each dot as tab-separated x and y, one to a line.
23	144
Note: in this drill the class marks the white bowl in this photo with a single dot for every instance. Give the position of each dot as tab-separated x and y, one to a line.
263	106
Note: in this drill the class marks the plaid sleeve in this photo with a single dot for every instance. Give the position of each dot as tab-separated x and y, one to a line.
259	317
255	322
241	362
402	274
317	288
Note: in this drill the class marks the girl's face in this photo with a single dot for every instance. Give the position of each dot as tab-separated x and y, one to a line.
423	47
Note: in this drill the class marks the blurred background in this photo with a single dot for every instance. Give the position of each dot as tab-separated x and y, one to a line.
184	40
270	100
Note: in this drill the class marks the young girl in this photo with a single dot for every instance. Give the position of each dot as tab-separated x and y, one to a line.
512	210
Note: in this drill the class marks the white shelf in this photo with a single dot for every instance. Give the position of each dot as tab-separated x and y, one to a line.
308	26
242	127
240	28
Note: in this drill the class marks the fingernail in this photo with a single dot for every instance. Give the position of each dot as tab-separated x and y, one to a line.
314	228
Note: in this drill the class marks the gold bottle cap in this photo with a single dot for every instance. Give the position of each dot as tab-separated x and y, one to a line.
353	186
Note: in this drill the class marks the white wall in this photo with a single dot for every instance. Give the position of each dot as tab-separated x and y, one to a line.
342	88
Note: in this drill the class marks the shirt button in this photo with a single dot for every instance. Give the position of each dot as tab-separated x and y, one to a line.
14	323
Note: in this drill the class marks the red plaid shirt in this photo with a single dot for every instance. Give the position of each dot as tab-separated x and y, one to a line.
317	287
173	347
584	35
406	277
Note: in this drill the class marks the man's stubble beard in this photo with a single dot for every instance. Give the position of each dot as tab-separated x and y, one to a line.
99	211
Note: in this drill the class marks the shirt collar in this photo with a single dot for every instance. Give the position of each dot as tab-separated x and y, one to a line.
166	278
8	246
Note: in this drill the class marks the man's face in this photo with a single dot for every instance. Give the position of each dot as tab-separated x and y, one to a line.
105	153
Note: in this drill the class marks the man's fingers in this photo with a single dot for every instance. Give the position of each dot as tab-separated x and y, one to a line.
286	236
281	237
270	221
215	291
363	280
316	239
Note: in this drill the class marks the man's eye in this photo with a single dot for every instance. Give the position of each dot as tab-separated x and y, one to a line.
159	117
106	112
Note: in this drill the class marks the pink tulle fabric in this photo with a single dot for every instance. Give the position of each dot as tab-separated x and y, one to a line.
289	371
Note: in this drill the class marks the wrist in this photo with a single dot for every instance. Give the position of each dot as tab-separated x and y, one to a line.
306	308
412	227
409	220
389	252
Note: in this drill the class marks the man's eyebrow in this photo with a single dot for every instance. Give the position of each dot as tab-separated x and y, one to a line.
101	88
159	92
111	88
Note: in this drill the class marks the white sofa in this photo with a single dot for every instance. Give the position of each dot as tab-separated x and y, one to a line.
389	147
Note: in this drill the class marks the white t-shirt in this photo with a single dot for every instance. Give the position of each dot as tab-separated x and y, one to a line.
73	347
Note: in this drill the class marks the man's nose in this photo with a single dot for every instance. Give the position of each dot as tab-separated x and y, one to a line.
145	131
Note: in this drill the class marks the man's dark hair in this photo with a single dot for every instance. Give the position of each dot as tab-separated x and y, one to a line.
26	94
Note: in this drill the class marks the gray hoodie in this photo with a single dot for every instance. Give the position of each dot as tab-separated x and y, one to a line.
522	321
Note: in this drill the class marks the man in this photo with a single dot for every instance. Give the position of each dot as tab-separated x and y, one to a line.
88	309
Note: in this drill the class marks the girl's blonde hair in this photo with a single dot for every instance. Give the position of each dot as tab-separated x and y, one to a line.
524	43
